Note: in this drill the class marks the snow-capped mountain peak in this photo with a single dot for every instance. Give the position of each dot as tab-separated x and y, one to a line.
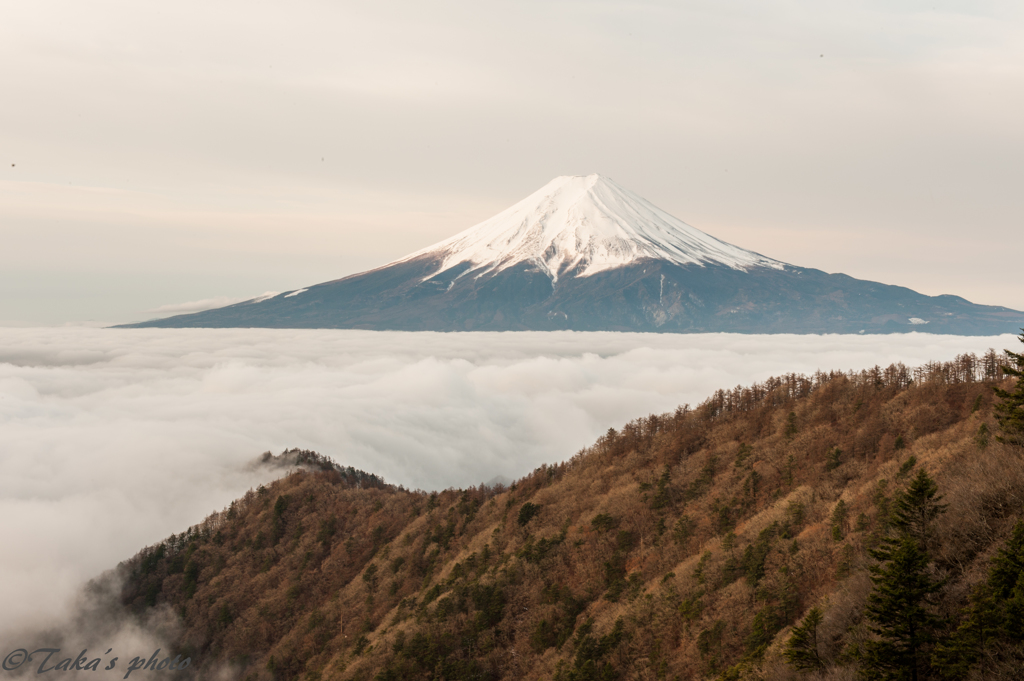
584	254
582	225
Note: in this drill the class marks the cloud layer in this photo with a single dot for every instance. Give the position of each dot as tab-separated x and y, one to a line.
195	305
113	439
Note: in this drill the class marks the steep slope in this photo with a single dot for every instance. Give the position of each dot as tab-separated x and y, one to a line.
685	545
584	253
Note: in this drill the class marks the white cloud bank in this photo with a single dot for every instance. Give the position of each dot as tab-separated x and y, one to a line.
195	305
113	439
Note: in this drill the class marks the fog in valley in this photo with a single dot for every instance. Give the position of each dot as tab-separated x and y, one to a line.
114	439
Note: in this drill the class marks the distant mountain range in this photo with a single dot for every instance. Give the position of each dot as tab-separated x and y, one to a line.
585	254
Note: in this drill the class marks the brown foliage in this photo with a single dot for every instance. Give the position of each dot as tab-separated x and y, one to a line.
681	546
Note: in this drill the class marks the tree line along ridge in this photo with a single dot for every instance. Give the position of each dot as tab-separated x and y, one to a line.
845	525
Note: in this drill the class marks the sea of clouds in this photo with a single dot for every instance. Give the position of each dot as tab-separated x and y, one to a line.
113	439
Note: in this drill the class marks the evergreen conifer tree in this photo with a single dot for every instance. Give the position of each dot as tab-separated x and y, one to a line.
1006	580
900	614
802	647
1010	412
899	608
992	625
979	626
916	507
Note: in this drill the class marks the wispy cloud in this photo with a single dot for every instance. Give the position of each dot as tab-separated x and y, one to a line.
211	303
195	305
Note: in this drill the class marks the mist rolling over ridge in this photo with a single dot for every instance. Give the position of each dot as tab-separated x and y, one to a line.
115	439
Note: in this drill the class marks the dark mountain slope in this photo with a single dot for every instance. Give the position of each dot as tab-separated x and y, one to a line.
583	253
684	546
652	296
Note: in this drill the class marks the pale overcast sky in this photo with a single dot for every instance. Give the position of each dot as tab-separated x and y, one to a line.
153	154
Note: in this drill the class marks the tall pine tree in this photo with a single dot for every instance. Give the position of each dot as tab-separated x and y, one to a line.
916	507
899	608
979	627
802	647
1010	412
991	629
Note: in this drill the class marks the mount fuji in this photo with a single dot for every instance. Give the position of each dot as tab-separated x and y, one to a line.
586	254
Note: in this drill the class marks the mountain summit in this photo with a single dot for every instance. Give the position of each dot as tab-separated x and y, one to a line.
579	226
583	253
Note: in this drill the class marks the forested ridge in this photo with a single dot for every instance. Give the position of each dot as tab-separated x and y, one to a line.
839	526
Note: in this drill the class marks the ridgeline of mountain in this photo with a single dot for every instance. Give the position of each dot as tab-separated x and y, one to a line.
692	545
585	254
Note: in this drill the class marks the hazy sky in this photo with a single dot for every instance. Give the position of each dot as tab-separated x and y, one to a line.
114	439
153	154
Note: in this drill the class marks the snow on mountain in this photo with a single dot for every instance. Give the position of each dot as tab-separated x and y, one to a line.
582	225
585	254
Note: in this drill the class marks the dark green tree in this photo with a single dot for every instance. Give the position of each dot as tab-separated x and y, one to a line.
915	509
899	610
802	647
1010	412
1006	583
1008	565
663	493
979	626
526	513
992	625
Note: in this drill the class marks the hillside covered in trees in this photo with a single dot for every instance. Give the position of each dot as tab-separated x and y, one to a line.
837	526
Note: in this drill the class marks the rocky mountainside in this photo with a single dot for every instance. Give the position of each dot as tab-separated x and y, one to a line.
583	253
742	539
